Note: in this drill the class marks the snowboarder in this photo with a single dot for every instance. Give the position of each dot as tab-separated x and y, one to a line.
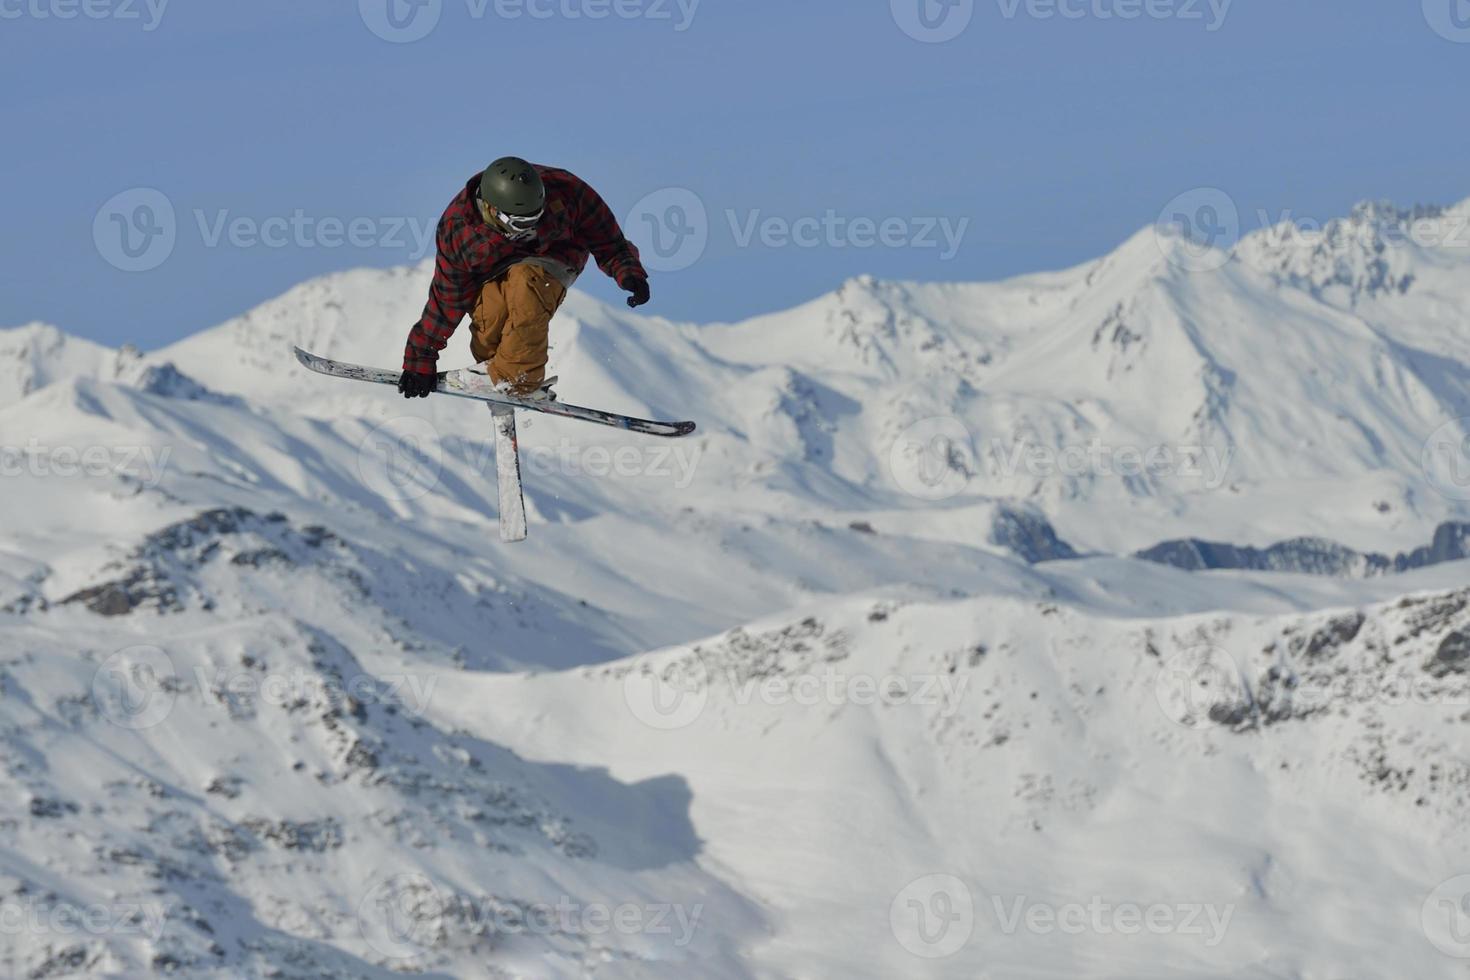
510	245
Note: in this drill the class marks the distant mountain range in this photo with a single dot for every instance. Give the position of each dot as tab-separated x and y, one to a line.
876	675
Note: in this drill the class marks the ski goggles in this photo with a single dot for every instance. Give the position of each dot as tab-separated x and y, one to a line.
517	226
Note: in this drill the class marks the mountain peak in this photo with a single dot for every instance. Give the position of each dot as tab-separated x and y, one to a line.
1378	249
37	354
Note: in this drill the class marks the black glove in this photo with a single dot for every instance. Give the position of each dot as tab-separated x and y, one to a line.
417	384
638	286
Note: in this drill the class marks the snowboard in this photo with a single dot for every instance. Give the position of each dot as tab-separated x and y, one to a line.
468	383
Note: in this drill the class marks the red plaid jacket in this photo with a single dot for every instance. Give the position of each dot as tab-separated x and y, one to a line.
577	223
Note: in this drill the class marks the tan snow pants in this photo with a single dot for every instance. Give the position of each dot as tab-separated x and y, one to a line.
510	324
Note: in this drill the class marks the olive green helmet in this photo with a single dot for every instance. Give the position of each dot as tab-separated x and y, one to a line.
512	186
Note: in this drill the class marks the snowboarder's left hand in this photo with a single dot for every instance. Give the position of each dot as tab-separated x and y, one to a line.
639	288
414	384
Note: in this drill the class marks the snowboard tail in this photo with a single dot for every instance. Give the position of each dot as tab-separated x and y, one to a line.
473	384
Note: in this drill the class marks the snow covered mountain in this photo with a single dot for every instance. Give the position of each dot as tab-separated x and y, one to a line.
858	681
1173	399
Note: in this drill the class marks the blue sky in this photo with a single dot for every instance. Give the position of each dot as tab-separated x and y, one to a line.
807	142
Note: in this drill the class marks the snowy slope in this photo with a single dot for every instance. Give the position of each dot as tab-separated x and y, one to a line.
788	698
35	355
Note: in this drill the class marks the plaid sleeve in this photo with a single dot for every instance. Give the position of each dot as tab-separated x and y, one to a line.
451	296
598	231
